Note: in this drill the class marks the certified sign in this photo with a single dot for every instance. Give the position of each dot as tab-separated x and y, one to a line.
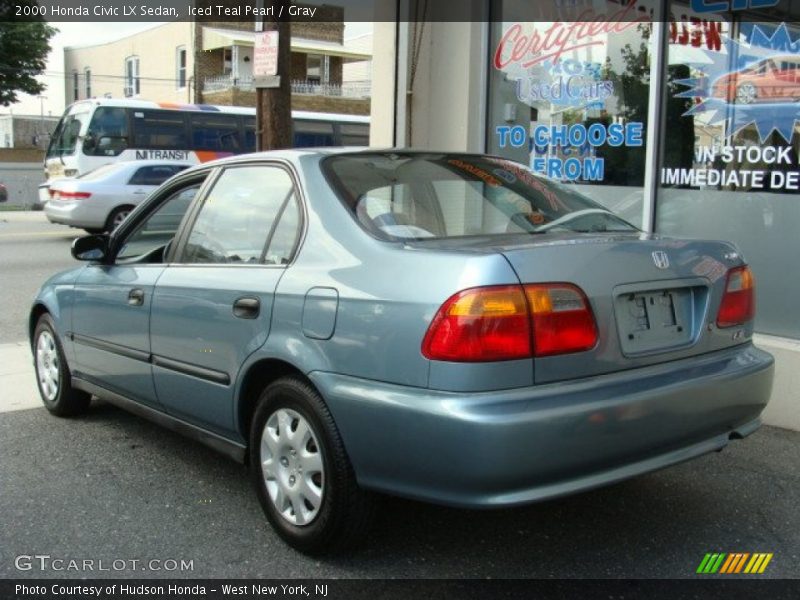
265	54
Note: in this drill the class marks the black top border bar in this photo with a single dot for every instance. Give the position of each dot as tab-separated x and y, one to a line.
328	11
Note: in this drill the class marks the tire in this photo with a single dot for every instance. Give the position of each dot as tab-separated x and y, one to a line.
116	217
334	513
52	373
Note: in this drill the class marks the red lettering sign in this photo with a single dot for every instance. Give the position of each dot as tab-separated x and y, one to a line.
560	38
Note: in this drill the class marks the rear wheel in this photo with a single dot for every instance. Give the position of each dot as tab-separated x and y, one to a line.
301	472
116	217
52	373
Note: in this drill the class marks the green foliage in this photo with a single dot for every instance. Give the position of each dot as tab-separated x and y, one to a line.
23	52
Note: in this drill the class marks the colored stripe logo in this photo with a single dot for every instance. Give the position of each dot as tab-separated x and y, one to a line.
734	562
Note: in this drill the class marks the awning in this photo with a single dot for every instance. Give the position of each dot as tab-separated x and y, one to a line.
214	38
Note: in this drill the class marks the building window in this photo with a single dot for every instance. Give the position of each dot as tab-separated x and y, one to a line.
314	68
87	81
132	76
180	66
76	90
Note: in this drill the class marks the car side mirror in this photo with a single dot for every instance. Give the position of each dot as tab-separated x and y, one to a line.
90	247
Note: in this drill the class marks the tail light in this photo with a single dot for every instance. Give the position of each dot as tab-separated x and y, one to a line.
562	319
511	322
738	302
480	324
61	195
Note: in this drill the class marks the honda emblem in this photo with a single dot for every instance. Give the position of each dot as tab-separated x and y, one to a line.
661	259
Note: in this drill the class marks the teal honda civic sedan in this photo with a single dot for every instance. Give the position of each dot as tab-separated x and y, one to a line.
445	327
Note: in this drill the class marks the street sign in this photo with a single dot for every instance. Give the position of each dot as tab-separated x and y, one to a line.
265	54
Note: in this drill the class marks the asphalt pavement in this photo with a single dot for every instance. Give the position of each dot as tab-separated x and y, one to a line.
31	250
110	486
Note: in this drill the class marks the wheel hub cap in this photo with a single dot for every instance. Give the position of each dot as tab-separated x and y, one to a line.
291	463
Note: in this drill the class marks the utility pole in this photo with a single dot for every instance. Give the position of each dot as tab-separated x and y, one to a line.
274	102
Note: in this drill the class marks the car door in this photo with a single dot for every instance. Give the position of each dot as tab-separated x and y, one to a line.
212	306
111	314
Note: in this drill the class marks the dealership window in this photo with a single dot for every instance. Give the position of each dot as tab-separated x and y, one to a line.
180	66
731	172
132	76
76	88
87	81
575	112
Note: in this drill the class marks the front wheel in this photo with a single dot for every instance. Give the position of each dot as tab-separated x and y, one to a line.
52	372
301	472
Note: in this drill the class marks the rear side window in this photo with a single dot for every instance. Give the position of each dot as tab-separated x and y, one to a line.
154	175
239	217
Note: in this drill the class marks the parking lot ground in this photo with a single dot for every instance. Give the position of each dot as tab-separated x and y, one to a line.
112	486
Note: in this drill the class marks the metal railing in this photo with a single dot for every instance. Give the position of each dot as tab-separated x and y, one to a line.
350	89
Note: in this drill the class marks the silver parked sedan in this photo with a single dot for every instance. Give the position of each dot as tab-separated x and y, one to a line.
101	199
445	327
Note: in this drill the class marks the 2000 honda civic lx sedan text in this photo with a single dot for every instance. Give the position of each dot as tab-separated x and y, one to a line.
450	328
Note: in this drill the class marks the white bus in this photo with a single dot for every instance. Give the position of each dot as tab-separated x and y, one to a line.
92	133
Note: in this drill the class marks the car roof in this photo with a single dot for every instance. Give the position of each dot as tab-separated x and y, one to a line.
294	154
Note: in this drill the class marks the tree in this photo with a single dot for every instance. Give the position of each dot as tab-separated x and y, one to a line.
24	46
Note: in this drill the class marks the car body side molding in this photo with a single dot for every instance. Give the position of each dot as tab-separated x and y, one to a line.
158	361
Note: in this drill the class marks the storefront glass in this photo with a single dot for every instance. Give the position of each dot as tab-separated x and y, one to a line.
569	92
734	175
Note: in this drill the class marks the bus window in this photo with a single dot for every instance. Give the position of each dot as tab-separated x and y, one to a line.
159	129
354	134
313	133
215	132
108	132
249	134
65	137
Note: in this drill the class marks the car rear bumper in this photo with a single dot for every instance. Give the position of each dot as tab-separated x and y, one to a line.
76	213
522	445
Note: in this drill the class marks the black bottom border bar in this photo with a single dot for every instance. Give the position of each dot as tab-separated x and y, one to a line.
347	589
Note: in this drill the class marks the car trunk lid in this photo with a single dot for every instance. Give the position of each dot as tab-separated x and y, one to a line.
654	299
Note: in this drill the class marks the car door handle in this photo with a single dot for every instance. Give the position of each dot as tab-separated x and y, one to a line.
139	193
247	307
136	297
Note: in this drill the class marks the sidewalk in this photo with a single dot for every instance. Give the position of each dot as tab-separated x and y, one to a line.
17	378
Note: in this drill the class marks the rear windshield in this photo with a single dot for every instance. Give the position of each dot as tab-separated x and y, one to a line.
419	196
